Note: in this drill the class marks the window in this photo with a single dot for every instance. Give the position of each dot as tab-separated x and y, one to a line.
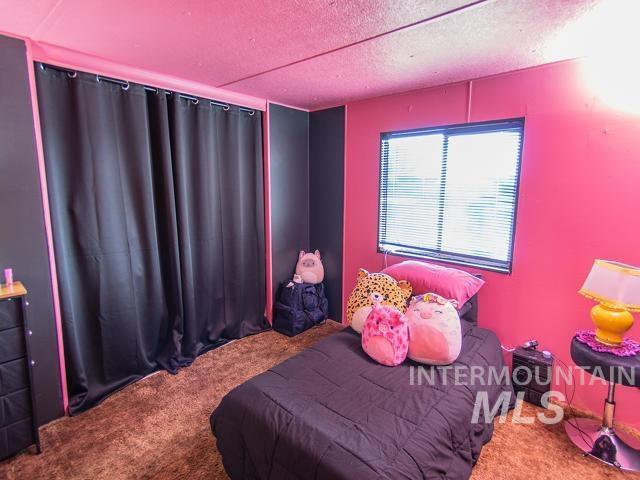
450	193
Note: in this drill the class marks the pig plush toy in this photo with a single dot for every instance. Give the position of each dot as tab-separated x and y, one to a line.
309	267
435	333
385	335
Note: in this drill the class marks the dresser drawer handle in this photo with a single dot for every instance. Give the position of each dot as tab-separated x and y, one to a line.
30	332
33	362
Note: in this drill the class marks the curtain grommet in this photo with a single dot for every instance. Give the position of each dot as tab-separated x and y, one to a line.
223	106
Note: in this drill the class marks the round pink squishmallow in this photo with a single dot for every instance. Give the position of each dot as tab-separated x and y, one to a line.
385	336
435	333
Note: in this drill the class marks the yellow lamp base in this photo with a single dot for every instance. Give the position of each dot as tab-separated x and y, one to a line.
611	324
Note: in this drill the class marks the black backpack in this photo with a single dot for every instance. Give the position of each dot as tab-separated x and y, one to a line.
299	307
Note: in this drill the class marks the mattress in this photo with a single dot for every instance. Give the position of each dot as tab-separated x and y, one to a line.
331	412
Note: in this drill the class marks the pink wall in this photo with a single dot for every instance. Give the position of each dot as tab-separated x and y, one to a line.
47	224
579	199
266	152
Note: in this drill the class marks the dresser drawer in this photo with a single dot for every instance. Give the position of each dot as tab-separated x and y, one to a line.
10	314
14	407
13	376
15	437
11	344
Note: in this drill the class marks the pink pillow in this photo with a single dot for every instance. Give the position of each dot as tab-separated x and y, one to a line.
427	277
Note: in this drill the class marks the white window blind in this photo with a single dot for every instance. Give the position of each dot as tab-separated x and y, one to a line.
450	193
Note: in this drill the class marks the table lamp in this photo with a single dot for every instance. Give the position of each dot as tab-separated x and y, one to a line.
616	287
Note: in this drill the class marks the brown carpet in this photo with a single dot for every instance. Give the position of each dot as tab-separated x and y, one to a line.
159	428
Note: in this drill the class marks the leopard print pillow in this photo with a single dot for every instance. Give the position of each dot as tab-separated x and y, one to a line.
374	288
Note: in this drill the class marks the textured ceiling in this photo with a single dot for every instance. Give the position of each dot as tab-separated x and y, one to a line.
306	53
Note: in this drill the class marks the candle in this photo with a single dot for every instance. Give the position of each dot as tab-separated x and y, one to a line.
8	276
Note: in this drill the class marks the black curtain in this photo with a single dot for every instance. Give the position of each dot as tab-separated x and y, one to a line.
158	223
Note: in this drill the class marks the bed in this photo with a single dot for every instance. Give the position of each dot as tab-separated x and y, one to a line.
331	412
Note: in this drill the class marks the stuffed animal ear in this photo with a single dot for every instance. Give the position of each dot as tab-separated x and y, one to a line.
405	287
317	253
301	254
362	273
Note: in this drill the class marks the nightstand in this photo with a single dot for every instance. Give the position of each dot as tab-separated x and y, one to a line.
600	439
532	372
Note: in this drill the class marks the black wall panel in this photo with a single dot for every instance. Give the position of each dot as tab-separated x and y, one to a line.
326	197
307	181
289	158
23	244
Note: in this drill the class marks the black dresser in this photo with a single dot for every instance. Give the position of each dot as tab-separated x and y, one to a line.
18	422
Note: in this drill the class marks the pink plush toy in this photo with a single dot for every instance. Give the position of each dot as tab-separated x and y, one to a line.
435	334
385	336
309	267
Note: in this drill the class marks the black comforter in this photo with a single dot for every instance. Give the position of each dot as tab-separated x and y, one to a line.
331	412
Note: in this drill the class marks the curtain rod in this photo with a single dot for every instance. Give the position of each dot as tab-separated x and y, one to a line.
125	86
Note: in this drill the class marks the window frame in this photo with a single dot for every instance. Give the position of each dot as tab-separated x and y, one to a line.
441	255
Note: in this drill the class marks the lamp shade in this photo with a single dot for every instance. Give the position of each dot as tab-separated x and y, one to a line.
613	284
